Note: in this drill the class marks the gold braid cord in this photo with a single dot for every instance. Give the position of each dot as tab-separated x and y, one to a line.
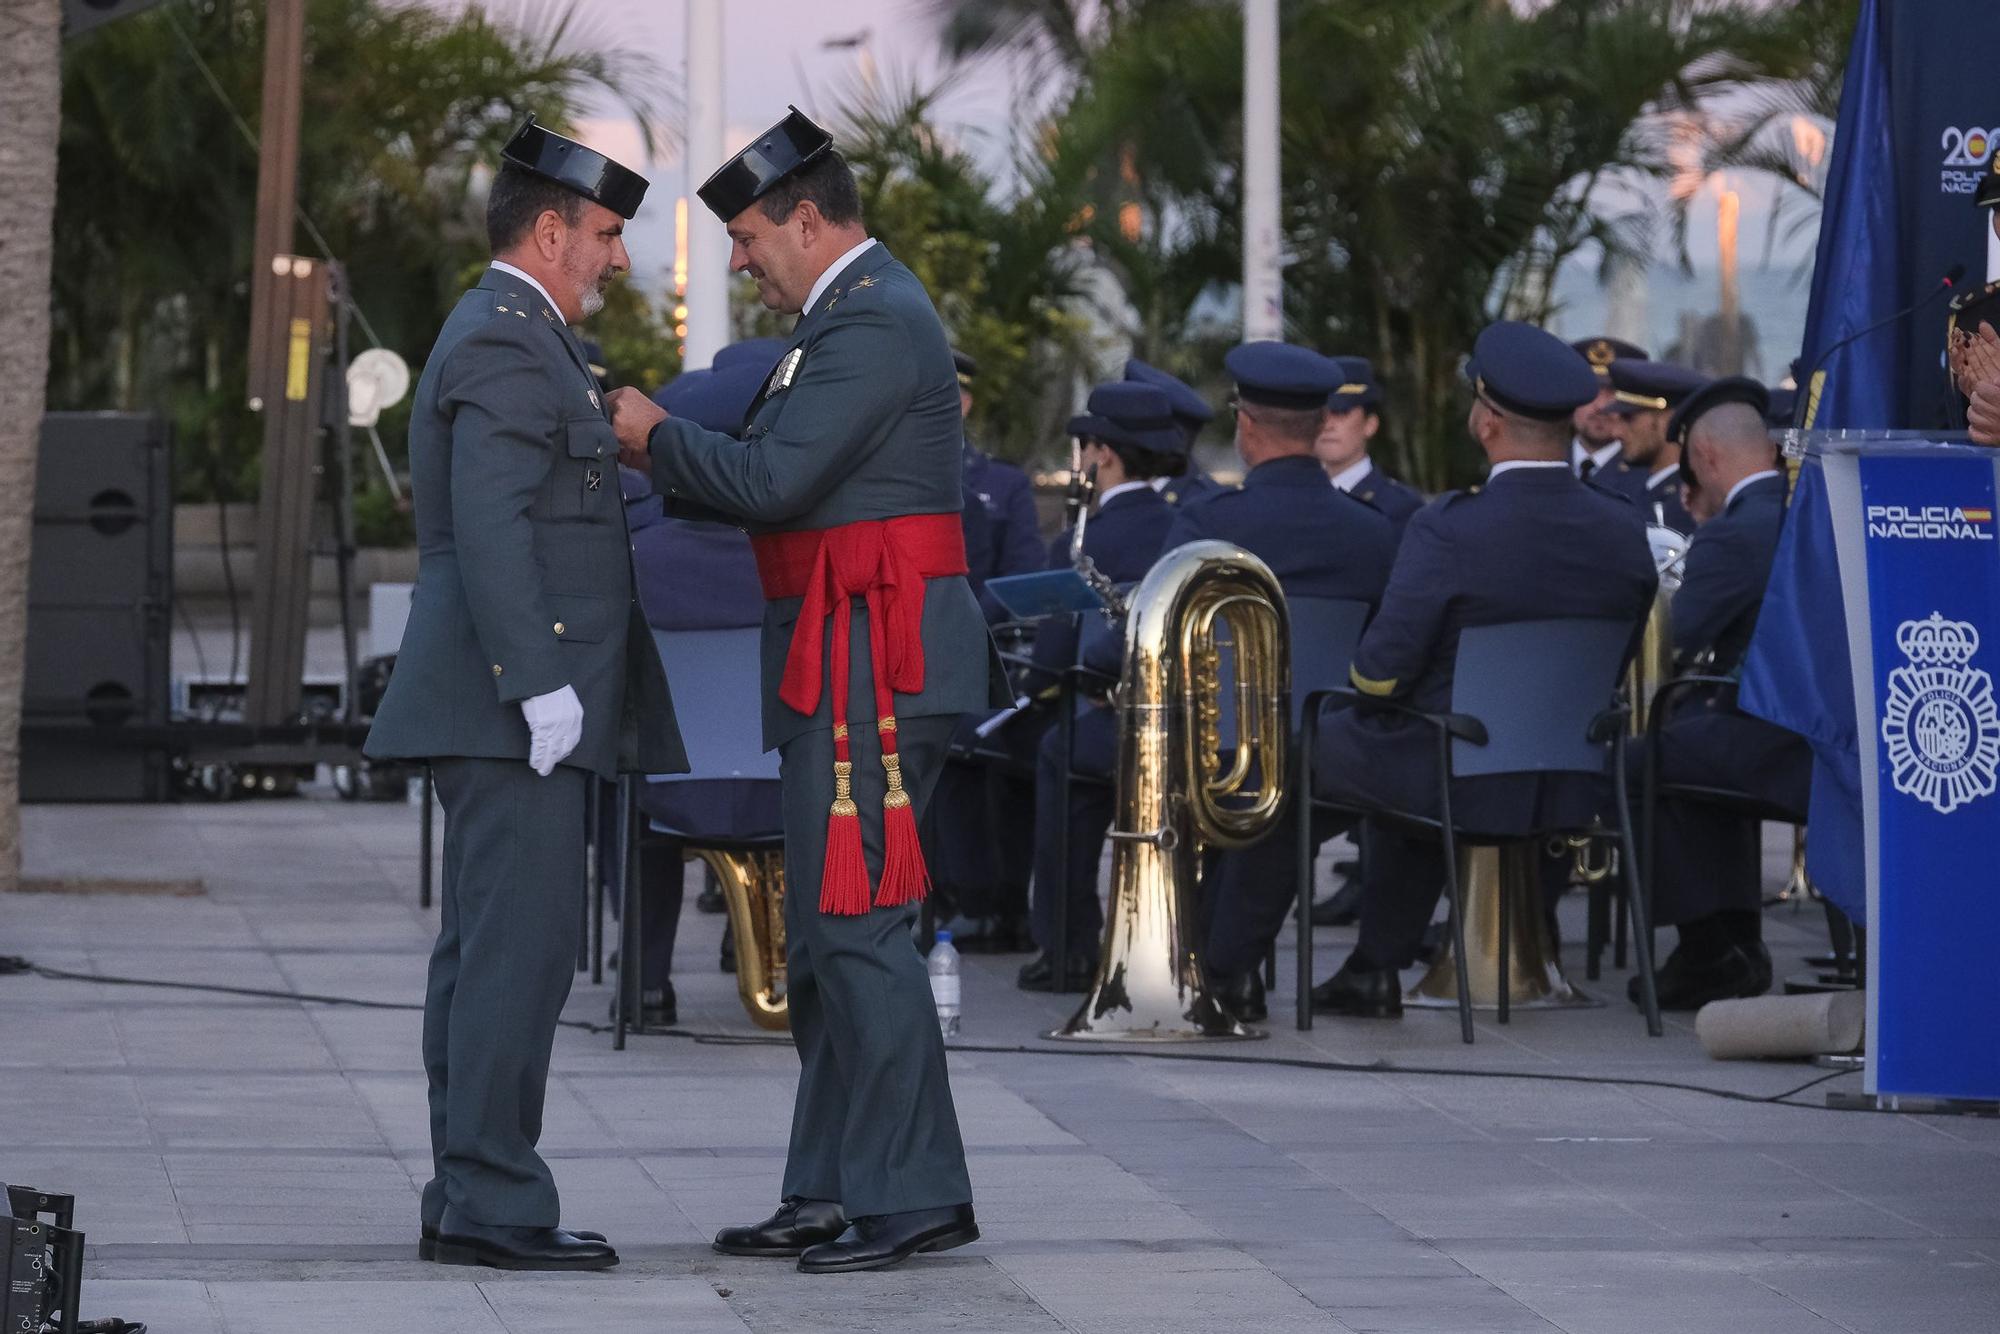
843	789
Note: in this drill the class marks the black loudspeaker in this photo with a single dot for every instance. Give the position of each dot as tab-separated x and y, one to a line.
100	591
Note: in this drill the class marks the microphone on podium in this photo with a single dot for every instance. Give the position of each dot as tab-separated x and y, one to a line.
1808	404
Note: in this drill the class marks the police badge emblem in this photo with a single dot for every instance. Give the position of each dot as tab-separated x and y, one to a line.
1940	723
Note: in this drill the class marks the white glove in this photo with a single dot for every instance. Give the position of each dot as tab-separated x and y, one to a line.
555	725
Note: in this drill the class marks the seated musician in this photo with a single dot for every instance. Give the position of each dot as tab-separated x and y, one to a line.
690	576
1709	881
1643	394
1353	420
1191	414
1533	543
1321	542
1129	437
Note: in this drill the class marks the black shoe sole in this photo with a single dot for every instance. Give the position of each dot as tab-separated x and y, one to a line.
452	1253
1359	1011
948	1241
762	1252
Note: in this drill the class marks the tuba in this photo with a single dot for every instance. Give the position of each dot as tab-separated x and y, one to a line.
1177	789
753	888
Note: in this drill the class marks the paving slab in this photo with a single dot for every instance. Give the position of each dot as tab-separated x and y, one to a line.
251	1164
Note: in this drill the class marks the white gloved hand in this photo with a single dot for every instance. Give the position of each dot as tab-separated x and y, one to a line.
555	725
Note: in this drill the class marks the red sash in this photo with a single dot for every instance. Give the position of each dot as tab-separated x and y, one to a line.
885	563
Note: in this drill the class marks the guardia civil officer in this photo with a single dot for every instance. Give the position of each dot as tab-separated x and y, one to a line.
1192	414
525	670
1709	865
1321	542
1129	439
1353	419
848	478
1533	543
1594	447
1644	395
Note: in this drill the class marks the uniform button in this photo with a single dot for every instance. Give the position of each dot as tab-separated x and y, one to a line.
496	669
559	627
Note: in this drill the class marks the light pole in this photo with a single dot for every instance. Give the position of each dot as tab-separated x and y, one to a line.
1263	300
707	244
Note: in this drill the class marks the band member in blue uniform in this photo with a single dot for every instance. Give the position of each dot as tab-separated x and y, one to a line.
1710	862
1321	542
1644	394
1192	414
1353	418
692	575
1000	498
1533	543
1594	447
1129	438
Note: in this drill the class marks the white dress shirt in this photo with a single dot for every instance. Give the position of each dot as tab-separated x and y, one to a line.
832	272
529	279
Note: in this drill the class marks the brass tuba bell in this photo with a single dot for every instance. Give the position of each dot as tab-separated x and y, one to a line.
753	888
1178	789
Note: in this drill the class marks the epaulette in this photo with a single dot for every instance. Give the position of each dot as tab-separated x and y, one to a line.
511	303
861	284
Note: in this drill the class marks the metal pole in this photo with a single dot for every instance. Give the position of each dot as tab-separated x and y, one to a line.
708	252
424	871
1263	303
277	184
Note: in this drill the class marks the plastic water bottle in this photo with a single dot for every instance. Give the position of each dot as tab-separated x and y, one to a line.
944	983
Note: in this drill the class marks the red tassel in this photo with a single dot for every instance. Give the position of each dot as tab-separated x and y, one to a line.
905	878
843	882
843	886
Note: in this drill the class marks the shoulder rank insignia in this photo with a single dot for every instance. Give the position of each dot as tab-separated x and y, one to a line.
781	378
860	283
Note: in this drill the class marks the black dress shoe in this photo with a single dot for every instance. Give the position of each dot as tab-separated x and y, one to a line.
710	901
1360	993
522	1248
1340	908
1241	995
1731	974
728	950
890	1239
1039	973
657	1008
427	1241
797	1225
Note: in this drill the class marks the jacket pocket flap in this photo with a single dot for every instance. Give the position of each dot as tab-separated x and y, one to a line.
591	438
580	618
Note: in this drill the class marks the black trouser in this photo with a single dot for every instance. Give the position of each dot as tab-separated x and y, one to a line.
873	1126
1088	806
662	870
502	967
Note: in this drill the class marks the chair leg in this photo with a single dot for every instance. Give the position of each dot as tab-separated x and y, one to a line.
1454	889
1302	877
1271	966
1059	892
1637	906
1618	941
1506	1014
621	1010
1598	930
596	883
428	838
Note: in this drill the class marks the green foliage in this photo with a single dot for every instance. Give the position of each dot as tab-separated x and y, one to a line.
1000	269
404	108
1440	160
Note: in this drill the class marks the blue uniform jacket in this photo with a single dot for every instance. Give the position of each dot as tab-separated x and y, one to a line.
1124	538
1001	530
1318	540
1395	499
1533	544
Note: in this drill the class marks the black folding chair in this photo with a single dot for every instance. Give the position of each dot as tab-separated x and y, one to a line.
1527	697
1651	791
724	739
1324	634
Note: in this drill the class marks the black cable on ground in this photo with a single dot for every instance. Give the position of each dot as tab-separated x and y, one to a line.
13	965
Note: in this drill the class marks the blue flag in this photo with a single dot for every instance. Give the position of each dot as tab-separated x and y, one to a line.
1857	269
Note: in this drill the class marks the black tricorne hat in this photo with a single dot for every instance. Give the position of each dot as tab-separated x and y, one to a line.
586	171
790	146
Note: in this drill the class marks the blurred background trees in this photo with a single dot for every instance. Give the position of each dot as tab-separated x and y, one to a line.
1442	159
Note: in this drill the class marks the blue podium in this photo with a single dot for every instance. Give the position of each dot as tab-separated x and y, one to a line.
1899	533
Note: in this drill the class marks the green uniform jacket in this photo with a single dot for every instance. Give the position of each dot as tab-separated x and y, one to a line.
524	575
859	421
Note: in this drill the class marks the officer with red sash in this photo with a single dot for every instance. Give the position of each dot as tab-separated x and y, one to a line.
847	476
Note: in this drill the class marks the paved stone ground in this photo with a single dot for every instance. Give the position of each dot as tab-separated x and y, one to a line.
251	1166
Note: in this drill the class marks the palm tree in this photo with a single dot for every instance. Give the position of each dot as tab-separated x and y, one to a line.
30	105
